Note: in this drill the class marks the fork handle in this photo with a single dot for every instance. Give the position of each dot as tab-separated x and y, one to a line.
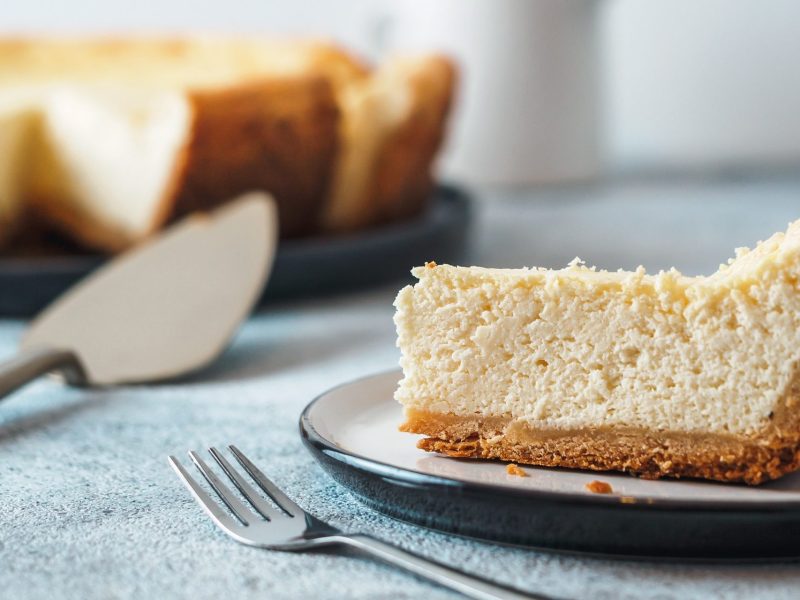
469	585
30	364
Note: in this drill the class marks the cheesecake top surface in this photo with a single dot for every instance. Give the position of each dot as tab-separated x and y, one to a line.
747	267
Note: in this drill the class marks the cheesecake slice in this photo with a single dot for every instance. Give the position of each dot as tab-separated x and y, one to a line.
391	128
655	375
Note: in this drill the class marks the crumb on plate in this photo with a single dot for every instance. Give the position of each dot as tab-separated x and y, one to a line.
513	469
599	487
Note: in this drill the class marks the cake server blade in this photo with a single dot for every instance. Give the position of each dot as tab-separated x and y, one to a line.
168	307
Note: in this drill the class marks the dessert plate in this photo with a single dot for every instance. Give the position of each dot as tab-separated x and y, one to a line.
303	267
352	431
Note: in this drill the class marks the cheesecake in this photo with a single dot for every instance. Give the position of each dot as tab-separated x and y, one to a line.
659	375
16	124
111	139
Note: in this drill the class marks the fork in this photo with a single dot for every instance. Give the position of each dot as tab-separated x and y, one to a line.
288	527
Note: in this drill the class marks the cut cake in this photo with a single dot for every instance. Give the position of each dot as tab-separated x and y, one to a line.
126	135
656	375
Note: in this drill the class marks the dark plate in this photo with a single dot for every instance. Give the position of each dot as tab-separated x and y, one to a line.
352	431
302	267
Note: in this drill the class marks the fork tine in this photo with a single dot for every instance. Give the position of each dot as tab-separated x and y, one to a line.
213	509
244	514
247	490
274	492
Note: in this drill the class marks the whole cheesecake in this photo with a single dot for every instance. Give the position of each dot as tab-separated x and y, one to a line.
656	375
107	140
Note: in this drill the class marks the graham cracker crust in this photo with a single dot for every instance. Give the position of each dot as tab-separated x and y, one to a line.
649	454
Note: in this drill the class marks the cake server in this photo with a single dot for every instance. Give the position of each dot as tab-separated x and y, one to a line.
163	309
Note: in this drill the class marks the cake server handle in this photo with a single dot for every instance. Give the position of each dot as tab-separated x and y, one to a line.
31	364
468	585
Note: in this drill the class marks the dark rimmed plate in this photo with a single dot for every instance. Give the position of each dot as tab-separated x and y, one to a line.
352	431
302	267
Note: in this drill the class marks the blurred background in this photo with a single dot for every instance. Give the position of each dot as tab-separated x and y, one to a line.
626	131
687	84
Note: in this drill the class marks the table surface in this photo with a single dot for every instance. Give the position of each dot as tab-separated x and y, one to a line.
90	509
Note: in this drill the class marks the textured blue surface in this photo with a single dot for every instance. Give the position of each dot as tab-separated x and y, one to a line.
90	509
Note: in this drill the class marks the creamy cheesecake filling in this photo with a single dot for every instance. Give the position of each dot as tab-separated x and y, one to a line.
579	348
116	152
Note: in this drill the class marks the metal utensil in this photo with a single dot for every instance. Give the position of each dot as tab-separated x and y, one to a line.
166	308
288	527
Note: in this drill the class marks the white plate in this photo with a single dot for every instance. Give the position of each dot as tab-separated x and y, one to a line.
353	431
